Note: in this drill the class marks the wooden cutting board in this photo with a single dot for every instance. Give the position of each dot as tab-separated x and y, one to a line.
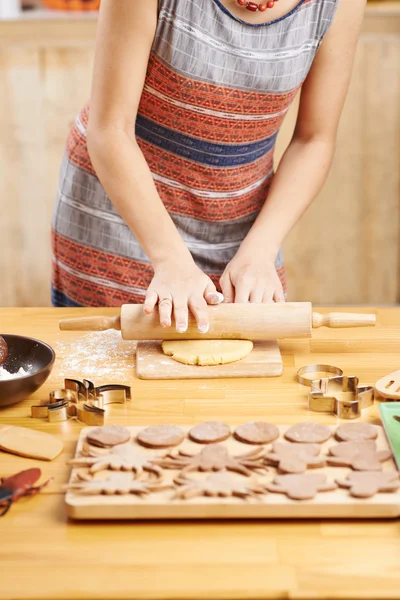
337	504
263	361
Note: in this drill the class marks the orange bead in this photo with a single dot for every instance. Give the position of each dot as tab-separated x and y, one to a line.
262	7
242	2
270	4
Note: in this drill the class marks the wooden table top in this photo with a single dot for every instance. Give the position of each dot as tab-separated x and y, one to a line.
42	555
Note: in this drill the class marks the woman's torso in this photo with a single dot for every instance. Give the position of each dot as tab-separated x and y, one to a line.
216	92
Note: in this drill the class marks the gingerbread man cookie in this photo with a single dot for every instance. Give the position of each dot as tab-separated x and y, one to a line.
360	456
367	484
301	487
295	458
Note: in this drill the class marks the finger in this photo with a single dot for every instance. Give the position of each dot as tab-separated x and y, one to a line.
211	295
268	297
279	295
242	291
165	310
181	314
227	288
256	295
198	308
150	301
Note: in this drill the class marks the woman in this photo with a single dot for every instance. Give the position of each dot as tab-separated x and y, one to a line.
167	188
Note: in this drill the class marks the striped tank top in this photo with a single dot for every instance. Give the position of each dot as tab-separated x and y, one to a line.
216	92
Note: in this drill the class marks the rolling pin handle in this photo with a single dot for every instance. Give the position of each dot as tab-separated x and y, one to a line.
337	320
91	324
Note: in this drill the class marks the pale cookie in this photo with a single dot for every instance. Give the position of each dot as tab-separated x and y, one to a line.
217	485
308	432
256	432
301	487
349	432
360	456
161	436
207	352
210	432
215	457
365	485
125	457
295	458
113	484
108	436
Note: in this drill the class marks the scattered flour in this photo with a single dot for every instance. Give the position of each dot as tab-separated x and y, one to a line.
97	354
5	375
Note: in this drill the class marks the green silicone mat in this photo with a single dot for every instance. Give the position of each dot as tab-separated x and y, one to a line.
392	427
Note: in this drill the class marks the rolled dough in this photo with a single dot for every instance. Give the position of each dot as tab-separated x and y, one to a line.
207	352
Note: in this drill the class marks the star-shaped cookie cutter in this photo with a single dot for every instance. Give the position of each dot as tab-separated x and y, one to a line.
343	396
81	400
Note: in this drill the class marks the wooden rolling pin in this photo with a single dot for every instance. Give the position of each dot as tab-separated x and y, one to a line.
229	321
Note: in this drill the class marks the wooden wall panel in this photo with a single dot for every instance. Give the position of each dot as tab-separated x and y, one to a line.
344	250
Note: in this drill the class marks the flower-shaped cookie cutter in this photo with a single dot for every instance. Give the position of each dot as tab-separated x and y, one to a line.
343	396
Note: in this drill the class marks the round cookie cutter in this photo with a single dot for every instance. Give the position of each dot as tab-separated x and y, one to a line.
314	371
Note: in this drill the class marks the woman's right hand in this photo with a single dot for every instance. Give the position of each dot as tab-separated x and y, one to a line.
178	288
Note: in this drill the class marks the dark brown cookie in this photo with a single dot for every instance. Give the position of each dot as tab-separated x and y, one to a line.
109	436
295	458
308	432
301	487
360	456
352	432
160	436
256	432
3	351
367	484
210	432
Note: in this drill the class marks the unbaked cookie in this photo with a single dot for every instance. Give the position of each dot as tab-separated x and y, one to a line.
349	432
108	436
295	458
359	455
160	436
308	432
210	432
256	432
367	484
301	487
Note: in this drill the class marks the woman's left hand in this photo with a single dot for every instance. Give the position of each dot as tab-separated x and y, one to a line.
251	279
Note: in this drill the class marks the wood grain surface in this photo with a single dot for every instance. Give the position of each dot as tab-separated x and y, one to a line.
42	555
344	251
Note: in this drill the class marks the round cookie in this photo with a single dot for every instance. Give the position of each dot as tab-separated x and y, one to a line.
109	436
3	351
354	432
210	432
256	432
308	432
160	436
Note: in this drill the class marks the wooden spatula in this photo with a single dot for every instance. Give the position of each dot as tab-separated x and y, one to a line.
29	442
389	386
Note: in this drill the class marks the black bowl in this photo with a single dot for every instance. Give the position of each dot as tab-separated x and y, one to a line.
33	356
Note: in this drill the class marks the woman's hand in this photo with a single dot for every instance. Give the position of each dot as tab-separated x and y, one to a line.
177	287
251	278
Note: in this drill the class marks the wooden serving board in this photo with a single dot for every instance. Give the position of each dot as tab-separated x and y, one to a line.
263	361
337	504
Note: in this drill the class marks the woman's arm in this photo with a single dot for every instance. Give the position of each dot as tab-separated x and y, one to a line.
125	35
305	165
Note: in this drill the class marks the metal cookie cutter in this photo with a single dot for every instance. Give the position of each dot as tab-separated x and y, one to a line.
313	370
340	395
81	400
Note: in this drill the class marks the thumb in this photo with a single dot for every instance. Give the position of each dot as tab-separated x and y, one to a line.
211	295
227	288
